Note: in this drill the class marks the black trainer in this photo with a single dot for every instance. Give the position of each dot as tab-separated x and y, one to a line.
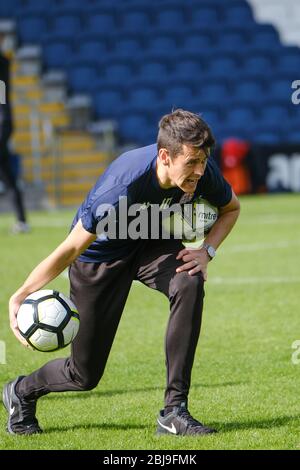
21	412
180	422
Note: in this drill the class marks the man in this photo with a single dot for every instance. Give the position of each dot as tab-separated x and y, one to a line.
102	270
6	128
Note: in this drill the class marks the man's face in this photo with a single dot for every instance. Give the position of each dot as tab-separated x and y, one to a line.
186	169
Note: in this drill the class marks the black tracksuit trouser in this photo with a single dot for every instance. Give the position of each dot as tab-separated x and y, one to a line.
10	180
100	291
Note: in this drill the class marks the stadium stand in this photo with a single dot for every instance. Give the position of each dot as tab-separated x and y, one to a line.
138	59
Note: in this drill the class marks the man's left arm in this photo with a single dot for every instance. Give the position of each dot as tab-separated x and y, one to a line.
197	259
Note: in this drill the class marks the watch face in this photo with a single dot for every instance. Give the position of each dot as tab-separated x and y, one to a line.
211	251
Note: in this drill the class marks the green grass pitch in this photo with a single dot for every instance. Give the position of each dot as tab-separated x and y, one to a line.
244	382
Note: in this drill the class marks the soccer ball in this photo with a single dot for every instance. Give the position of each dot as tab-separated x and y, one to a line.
194	222
48	320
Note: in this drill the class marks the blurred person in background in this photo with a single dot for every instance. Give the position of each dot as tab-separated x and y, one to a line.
6	128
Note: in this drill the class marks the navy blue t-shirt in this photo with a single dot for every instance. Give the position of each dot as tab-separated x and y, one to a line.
133	175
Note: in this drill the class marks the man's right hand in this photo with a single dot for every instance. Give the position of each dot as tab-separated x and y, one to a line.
14	305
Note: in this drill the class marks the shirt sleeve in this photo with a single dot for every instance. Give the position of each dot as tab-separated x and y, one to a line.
106	198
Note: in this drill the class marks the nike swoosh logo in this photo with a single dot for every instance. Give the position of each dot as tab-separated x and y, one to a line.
11	410
171	429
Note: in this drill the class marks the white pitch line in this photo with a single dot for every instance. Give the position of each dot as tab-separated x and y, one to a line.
254	280
261	246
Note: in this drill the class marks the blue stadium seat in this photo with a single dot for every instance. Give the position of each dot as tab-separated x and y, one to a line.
188	68
248	91
240	115
237	14
135	20
266	138
100	21
153	70
134	127
143	98
222	66
274	115
56	51
293	136
118	71
204	15
232	41
34	4
279	89
161	43
289	62
256	64
265	37
215	92
178	95
212	117
66	23
109	102
82	76
194	42
169	19
129	46
31	27
93	48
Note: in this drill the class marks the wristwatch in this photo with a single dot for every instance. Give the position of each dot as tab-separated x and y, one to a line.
210	250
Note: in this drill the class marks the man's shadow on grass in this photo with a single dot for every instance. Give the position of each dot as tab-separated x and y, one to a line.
221	427
111	393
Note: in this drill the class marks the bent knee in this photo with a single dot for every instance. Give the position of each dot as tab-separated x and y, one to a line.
85	383
186	285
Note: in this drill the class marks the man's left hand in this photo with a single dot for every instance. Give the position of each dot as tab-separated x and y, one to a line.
195	260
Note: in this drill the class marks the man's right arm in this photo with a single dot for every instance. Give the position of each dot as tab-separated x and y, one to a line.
76	242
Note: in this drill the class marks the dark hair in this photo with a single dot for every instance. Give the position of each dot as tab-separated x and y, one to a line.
183	127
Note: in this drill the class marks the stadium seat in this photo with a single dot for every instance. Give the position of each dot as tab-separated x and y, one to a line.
195	42
82	77
66	23
143	98
134	127
57	51
248	91
161	44
203	15
169	19
255	64
154	70
188	68
128	46
109	102
274	114
135	20
100	21
290	61
212	93
32	27
237	14
222	66
265	37
93	48
178	96
240	115
119	71
293	136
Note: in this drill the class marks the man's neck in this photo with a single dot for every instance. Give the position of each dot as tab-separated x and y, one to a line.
162	175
